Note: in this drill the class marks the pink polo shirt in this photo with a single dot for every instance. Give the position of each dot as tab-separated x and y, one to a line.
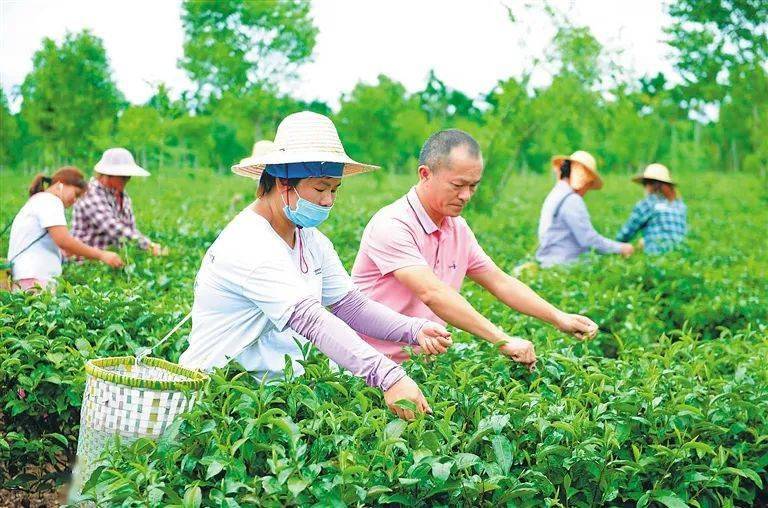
401	235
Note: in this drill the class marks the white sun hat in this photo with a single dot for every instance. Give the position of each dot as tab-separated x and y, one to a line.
119	162
303	137
655	171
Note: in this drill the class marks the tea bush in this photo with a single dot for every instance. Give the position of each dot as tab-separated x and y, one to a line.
667	406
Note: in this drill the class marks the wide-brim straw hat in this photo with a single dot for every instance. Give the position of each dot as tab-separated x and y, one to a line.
260	148
303	137
119	162
585	159
655	171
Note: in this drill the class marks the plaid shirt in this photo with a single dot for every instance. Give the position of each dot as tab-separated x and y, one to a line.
663	223
99	221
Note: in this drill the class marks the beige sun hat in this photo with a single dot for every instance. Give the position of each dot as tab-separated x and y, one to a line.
655	171
585	159
119	162
243	168
303	137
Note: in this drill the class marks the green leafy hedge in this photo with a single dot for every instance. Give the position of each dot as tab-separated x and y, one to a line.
680	421
667	406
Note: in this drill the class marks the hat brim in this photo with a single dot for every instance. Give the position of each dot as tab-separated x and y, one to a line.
557	161
253	167
640	178
121	170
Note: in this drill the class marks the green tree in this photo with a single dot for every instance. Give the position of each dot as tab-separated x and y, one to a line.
190	144
382	124
658	95
632	138
444	104
231	45
70	102
141	129
241	119
567	117
577	53
569	114
743	117
714	39
507	132
10	134
168	108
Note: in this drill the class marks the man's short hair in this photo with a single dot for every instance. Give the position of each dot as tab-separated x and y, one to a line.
437	148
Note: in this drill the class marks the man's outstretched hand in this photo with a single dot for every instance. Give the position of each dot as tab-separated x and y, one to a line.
580	327
520	350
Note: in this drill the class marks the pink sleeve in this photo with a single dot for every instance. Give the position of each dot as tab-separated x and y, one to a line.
477	261
342	345
391	245
376	320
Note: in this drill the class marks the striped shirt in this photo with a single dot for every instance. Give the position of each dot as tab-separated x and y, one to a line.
662	223
101	221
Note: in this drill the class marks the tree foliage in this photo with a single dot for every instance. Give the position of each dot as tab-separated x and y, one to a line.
70	101
715	41
231	45
238	53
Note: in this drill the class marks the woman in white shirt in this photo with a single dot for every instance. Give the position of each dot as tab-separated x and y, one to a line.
271	282
39	231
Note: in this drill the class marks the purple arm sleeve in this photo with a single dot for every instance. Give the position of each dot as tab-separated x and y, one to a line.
342	345
376	320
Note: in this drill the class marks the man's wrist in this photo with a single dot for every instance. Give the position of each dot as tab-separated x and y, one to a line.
497	336
556	317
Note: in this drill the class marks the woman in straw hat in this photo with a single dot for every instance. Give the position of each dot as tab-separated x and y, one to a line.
264	284
104	217
39	231
565	229
661	217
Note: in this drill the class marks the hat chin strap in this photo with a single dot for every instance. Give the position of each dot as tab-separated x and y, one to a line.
303	266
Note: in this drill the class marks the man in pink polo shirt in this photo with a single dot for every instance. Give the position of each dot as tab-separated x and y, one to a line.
415	253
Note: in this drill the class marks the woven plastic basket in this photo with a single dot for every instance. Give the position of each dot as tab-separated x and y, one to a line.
132	399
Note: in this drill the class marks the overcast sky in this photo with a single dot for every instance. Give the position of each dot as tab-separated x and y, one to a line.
471	44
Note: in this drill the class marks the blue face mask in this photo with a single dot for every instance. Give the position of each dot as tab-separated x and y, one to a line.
307	214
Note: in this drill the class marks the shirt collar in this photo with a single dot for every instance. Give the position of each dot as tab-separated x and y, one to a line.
97	184
421	214
108	190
